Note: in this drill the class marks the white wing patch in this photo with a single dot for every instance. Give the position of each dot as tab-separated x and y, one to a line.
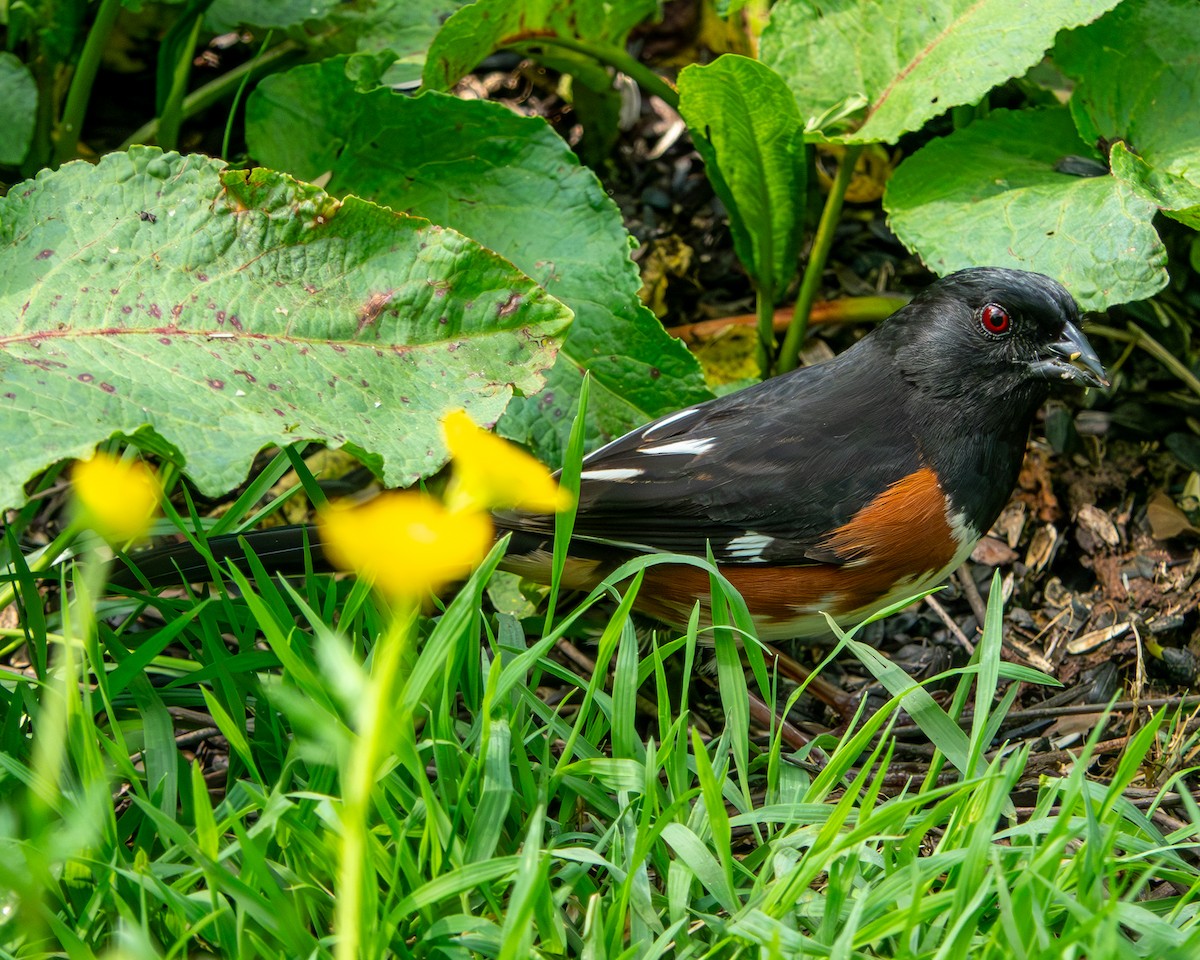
611	473
668	420
748	547
692	447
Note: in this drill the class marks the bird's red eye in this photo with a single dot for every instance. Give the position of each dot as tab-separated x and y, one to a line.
995	319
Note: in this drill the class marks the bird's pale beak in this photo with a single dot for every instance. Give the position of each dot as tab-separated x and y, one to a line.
1071	357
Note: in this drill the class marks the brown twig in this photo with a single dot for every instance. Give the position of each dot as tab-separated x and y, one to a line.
847	310
588	666
1074	710
953	627
971	592
830	694
766	717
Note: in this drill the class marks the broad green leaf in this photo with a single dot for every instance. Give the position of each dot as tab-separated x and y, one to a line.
891	65
990	194
1138	82
512	184
218	311
274	14
18	108
745	124
1177	194
487	25
405	28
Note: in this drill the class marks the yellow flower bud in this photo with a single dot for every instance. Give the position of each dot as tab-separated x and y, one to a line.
117	498
405	542
490	473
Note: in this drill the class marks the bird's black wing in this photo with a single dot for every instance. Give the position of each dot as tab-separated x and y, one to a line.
763	475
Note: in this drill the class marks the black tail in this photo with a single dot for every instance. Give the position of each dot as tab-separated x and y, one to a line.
281	550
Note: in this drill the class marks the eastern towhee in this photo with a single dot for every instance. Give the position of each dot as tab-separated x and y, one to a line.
838	488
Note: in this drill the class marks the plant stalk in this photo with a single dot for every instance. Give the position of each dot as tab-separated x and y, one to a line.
239	93
66	134
1139	337
789	354
220	88
619	59
764	306
44	558
170	119
375	729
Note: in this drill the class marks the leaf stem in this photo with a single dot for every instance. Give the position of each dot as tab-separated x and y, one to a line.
238	94
1140	338
221	87
789	354
66	133
620	59
170	118
764	305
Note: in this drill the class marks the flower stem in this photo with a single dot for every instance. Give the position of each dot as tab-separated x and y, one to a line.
375	722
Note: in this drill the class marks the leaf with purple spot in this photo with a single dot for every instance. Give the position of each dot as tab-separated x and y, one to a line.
248	309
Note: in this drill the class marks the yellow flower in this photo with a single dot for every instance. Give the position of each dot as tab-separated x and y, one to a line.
490	473
405	542
117	498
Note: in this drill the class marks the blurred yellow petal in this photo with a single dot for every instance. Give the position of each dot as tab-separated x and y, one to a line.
117	498
405	542
493	474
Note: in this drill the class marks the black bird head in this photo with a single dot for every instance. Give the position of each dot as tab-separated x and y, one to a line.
992	334
981	349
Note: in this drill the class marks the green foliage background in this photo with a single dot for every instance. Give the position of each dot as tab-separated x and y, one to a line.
388	248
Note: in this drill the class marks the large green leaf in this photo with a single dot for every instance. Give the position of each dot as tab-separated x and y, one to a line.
1176	193
1138	81
991	194
894	64
406	28
18	109
274	14
745	124
218	311
512	184
487	25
